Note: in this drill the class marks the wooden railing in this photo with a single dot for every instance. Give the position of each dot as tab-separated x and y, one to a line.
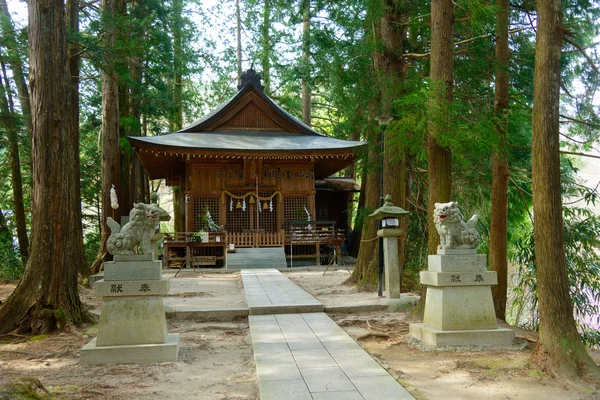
271	239
241	239
253	239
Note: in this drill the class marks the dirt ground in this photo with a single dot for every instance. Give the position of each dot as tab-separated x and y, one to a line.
216	358
329	287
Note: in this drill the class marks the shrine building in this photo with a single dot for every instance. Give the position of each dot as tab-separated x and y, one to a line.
254	168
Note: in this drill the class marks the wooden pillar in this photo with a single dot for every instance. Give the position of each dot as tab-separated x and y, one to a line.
311	205
318	250
223	207
188	199
278	204
189	213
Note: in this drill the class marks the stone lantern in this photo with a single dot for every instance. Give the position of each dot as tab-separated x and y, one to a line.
390	231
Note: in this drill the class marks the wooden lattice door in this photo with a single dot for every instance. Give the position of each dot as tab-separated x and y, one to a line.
238	219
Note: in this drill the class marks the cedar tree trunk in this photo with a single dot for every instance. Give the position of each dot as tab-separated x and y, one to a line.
439	158
110	133
306	93
559	349
391	69
265	57
15	63
499	218
47	298
238	35
8	119
365	272
72	16
177	119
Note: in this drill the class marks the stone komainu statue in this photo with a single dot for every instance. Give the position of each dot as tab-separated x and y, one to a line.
143	220
454	232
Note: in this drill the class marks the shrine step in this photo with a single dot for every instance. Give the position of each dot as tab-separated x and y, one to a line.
261	257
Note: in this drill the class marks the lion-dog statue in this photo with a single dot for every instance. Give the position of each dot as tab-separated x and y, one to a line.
454	232
139	231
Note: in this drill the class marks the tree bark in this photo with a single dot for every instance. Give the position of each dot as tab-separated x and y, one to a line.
238	34
266	47
306	89
72	16
121	71
365	272
137	176
177	122
439	158
392	76
499	217
355	240
177	117
110	131
8	118
559	349
15	63
47	298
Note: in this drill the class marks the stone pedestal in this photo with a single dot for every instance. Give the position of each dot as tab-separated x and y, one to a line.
459	308
133	327
390	261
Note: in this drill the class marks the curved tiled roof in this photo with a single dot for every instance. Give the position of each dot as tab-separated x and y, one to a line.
246	141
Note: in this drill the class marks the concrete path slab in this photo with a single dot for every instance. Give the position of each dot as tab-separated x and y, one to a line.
268	291
308	356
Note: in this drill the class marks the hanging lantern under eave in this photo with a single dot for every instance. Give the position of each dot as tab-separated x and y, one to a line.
239	204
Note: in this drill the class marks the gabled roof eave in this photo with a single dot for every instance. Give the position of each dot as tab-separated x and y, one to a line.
200	124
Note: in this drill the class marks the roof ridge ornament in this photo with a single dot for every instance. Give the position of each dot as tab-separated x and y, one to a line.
250	77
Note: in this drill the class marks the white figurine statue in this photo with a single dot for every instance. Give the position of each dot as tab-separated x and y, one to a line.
139	231
454	232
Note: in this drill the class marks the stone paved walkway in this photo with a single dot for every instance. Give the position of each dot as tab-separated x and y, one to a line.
268	291
307	356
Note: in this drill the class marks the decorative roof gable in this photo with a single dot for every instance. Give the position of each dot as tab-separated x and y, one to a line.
250	110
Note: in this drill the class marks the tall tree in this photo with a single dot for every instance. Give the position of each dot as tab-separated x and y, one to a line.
265	56
559	348
365	274
138	182
47	298
499	214
390	64
365	271
74	59
110	127
439	168
238	36
306	86
15	63
8	120
177	119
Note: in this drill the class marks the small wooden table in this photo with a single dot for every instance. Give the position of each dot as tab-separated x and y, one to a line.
337	241
189	257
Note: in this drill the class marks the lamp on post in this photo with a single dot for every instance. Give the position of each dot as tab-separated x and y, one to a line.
389	234
383	123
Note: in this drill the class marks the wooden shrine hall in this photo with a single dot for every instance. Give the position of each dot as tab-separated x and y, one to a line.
248	169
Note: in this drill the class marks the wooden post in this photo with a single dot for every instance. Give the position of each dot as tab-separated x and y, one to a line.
189	213
318	245
223	206
279	211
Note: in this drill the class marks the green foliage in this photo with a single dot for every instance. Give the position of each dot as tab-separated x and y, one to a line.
11	267
91	243
581	227
24	388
